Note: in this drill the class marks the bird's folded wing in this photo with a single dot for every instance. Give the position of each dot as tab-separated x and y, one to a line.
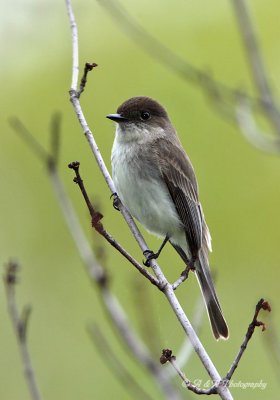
179	177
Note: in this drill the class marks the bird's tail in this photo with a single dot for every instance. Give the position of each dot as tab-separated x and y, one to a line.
217	320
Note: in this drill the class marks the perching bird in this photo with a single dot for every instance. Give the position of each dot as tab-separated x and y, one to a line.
155	180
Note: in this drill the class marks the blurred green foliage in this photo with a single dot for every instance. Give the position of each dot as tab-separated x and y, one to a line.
239	189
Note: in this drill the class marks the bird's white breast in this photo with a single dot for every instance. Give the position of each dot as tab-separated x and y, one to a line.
144	194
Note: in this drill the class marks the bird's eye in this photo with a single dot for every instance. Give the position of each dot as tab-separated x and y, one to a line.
145	115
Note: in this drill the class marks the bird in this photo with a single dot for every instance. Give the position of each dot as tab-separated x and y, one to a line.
155	180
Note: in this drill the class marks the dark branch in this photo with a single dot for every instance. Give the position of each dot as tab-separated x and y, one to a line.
88	67
96	224
168	357
262	305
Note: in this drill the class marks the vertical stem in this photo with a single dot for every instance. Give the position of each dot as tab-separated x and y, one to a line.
256	62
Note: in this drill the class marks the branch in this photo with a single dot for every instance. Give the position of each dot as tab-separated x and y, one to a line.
88	67
20	324
164	284
262	305
168	357
181	279
96	223
75	47
256	62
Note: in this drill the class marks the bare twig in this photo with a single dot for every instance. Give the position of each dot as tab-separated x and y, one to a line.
20	324
164	284
88	67
181	279
115	365
168	357
262	305
96	223
256	62
75	47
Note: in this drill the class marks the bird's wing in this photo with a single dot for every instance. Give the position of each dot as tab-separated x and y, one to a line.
179	177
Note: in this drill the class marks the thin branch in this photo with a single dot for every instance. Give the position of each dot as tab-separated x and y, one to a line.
115	365
20	324
96	223
164	284
88	67
181	279
168	357
262	305
75	47
256	63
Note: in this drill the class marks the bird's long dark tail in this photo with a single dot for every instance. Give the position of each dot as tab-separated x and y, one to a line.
217	320
202	271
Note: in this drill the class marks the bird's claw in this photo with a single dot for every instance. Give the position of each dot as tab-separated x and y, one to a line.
150	255
116	201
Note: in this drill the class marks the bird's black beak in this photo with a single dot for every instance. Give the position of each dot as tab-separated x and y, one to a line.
116	117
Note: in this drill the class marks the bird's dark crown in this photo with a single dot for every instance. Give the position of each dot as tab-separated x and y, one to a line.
141	108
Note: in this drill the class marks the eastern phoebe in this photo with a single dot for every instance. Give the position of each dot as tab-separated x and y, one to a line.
155	180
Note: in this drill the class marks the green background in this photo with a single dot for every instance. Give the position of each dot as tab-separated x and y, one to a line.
239	190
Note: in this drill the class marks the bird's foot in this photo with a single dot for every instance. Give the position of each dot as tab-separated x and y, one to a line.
116	201
185	273
150	255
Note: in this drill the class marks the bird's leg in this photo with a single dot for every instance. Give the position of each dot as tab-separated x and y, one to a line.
189	267
150	255
116	201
